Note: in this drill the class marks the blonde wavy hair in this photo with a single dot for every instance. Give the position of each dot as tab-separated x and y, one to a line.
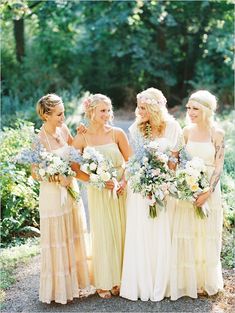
46	104
207	103
155	103
90	103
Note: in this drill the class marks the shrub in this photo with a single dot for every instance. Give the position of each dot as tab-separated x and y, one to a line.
19	192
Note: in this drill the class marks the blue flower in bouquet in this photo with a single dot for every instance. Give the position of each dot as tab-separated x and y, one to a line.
47	164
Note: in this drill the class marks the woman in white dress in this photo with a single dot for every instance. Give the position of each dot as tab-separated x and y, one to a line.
146	265
196	243
64	270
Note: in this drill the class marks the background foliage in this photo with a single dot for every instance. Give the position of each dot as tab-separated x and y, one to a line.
113	47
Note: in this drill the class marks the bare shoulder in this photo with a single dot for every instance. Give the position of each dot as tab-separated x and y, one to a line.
119	133
219	133
187	130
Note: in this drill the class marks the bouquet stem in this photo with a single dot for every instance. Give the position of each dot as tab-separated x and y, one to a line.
199	212
74	194
152	211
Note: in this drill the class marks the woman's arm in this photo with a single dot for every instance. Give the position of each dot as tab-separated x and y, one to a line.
123	143
219	159
79	143
126	152
219	162
179	141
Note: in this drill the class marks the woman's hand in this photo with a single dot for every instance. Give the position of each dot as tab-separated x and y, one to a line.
81	129
202	198
109	185
65	181
122	186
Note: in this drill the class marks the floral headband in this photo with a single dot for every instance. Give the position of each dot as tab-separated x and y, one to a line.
143	99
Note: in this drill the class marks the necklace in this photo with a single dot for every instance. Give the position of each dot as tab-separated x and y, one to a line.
56	137
148	131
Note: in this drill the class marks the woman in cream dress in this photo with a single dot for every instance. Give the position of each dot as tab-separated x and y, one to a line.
107	214
196	243
64	270
147	254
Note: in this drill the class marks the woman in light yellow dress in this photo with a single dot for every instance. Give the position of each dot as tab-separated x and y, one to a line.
107	214
196	242
64	270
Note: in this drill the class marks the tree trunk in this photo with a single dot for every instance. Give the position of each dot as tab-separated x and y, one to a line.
19	38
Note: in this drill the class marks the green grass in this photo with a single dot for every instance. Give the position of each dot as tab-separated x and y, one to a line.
10	258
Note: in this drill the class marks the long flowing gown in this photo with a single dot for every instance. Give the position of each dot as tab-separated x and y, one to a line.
107	224
146	264
196	243
64	271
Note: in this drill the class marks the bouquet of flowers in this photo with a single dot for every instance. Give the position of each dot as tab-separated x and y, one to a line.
48	164
192	180
100	169
149	175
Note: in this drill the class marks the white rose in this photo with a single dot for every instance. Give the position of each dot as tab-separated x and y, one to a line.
86	155
105	176
44	155
145	159
192	172
94	177
93	166
197	163
153	145
41	172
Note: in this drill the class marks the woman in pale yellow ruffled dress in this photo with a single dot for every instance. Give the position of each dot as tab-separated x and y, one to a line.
107	213
196	242
64	270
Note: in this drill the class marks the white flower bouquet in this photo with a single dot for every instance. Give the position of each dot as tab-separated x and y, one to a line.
100	169
192	180
149	175
47	164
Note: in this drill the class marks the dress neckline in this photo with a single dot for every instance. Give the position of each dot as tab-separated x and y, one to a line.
194	141
105	144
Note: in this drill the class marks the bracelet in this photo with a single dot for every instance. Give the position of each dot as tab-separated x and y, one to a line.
173	159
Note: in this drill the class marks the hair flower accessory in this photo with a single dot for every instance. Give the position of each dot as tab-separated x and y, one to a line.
147	100
86	103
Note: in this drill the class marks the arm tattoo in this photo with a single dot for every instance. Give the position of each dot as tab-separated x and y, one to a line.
219	148
215	182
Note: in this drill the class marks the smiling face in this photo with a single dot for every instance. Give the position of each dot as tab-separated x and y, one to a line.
56	117
142	111
102	113
194	111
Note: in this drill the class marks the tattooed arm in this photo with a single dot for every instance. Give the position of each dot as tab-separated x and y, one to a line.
219	161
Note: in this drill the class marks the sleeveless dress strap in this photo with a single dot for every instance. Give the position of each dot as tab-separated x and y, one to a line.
113	135
47	139
212	135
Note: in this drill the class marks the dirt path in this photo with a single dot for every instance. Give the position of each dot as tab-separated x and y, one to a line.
23	297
